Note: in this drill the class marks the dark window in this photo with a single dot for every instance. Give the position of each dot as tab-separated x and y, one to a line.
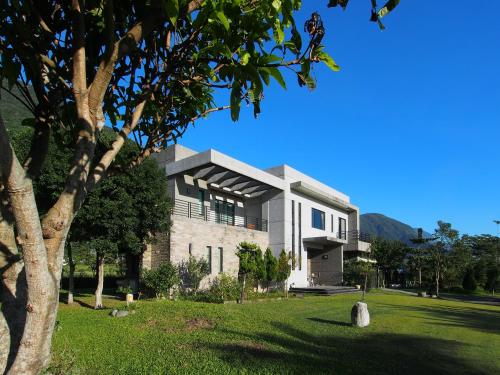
190	249
201	199
342	229
209	258
221	259
224	212
318	219
333	229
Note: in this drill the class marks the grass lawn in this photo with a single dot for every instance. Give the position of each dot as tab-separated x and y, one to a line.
408	335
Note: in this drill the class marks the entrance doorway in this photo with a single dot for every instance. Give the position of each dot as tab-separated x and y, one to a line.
322	267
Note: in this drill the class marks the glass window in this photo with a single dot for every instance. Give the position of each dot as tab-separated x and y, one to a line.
221	259
318	219
342	229
224	212
209	258
201	199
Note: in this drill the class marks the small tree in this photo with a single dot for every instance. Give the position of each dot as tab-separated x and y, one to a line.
271	264
246	253
192	272
469	282
283	270
417	261
260	267
161	280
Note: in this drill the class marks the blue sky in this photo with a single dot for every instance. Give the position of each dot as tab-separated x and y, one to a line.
408	128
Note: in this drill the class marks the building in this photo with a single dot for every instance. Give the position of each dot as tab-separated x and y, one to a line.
220	201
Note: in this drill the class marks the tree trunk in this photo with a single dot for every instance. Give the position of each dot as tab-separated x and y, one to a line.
37	314
420	277
437	283
71	281
243	284
364	287
286	288
100	282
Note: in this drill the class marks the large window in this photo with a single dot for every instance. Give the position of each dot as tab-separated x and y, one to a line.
224	212
342	229
318	219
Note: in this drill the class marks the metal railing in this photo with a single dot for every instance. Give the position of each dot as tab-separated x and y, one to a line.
201	212
353	235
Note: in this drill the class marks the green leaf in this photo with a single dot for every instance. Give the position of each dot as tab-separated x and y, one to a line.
172	10
279	35
245	58
275	72
266	59
277	5
222	18
325	57
235	102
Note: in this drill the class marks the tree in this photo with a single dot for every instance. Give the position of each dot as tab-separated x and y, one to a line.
192	272
149	69
271	264
417	260
389	255
284	270
246	252
260	267
161	280
469	282
438	251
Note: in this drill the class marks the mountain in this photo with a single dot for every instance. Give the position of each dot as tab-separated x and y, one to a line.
379	225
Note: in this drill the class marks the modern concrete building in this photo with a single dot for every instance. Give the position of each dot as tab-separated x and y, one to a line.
220	202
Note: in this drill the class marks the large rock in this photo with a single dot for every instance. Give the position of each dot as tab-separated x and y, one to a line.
360	316
119	313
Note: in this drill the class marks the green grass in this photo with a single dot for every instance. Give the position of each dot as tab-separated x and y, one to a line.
408	335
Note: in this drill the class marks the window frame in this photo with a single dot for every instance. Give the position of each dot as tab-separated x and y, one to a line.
321	217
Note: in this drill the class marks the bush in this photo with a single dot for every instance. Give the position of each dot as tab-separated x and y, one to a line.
225	286
192	272
161	280
469	282
493	279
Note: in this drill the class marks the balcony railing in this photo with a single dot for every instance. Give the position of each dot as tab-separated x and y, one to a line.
202	212
353	235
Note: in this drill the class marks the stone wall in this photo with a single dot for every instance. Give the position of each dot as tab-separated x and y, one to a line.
200	234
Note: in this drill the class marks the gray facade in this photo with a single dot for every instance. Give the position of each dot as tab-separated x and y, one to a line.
220	202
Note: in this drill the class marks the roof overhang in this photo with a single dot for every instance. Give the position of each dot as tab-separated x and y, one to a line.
325	240
221	172
323	196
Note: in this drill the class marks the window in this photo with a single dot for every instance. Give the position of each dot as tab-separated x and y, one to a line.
190	248
209	258
221	259
201	199
333	229
342	229
224	212
318	219
300	236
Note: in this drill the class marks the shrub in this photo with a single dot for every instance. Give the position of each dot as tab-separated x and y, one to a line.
225	286
192	272
469	282
161	280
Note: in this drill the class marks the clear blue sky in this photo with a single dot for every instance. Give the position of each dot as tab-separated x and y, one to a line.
408	128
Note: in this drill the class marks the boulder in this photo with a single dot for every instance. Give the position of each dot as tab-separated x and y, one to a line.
119	313
360	317
422	294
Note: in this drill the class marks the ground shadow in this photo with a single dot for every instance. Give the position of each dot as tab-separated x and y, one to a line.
329	321
468	317
289	350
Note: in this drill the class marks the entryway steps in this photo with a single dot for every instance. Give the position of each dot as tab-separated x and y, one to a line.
325	290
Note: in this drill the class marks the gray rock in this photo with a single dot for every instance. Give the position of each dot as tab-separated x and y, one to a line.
119	313
422	294
360	317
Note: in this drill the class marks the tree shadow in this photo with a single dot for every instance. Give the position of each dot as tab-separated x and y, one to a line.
481	319
290	350
328	321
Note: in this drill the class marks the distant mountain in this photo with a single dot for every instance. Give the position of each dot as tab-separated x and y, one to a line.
379	225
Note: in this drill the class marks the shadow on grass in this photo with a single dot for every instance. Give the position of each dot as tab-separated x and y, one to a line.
328	321
293	351
467	317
